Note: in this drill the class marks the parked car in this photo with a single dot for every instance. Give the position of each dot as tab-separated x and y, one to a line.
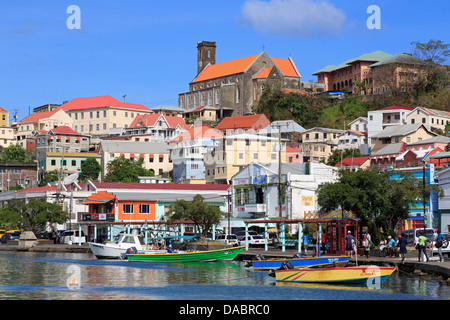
227	238
58	234
242	233
253	240
73	236
271	237
9	236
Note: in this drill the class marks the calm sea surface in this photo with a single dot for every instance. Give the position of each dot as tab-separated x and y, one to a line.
33	276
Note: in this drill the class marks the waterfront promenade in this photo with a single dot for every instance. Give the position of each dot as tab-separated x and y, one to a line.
410	266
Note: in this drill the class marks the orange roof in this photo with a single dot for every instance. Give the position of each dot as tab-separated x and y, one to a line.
38	116
98	102
201	131
2	110
264	73
290	149
225	68
240	122
100	197
240	65
286	66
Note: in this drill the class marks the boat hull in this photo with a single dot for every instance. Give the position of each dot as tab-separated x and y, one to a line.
265	265
195	256
102	251
356	275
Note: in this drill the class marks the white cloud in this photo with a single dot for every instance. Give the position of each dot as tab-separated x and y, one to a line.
300	18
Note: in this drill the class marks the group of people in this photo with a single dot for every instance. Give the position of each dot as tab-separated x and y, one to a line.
325	242
390	246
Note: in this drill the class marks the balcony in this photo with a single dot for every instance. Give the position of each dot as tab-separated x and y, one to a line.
86	216
256	208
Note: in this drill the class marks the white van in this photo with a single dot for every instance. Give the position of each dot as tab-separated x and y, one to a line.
412	235
72	237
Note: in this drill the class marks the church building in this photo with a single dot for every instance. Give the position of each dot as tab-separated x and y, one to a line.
234	86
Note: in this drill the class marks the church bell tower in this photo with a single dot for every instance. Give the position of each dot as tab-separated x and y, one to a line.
206	54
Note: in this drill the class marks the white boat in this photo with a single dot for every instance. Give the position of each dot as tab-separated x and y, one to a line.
114	250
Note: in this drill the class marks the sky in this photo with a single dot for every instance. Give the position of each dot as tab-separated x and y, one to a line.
146	49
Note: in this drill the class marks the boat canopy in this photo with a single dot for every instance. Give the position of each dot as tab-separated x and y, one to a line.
177	237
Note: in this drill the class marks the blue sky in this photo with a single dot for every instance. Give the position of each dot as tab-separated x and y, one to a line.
146	49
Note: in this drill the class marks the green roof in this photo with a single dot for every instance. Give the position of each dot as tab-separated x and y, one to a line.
375	56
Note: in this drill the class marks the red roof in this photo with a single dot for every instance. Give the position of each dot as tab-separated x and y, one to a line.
98	102
290	149
149	120
203	131
356	161
395	108
38	116
64	130
241	122
161	186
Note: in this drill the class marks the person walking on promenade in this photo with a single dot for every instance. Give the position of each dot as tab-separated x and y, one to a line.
439	240
402	245
367	241
349	239
423	247
305	239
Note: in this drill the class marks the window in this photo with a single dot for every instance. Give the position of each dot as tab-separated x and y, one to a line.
127	208
104	113
74	163
144	208
98	114
53	162
424	120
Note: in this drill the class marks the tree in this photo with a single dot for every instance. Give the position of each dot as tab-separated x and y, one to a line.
378	199
338	155
434	51
49	177
90	169
125	170
14	152
202	214
31	216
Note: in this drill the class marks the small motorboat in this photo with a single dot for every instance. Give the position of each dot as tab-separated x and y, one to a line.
115	249
297	261
356	275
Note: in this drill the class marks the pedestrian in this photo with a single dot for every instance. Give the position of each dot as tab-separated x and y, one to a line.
349	239
439	241
327	243
324	242
423	247
390	248
402	241
305	239
367	241
315	241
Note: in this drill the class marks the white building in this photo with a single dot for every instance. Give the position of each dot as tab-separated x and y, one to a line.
255	190
379	120
352	140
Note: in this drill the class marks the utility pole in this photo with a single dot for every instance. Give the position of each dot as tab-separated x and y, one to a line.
280	214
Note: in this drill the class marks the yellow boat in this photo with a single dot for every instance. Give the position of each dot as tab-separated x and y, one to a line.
361	274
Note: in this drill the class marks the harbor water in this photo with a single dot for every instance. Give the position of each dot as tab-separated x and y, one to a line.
76	276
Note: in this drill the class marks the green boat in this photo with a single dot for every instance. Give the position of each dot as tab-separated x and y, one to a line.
227	254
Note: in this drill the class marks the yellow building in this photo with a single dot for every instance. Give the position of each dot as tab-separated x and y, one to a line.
318	143
70	162
7	136
230	154
97	115
4	117
433	119
41	121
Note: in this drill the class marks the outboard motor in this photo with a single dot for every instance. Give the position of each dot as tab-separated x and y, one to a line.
260	257
131	250
286	265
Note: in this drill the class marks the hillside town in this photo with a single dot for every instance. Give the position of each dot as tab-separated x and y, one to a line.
213	144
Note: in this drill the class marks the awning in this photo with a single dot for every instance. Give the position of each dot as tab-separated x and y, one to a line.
142	155
131	155
161	156
151	156
96	201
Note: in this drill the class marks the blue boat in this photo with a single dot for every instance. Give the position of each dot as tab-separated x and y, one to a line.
261	264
